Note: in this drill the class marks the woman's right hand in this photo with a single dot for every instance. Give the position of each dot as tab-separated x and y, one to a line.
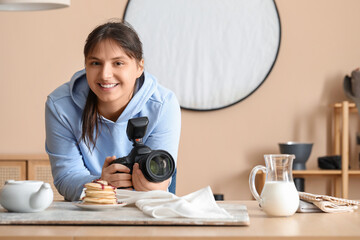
116	174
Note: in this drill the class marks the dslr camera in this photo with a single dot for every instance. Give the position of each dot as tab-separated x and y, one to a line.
156	165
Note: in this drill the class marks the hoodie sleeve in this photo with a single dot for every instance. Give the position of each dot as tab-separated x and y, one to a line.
166	133
68	169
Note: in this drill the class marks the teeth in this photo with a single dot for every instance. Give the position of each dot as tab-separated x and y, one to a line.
108	85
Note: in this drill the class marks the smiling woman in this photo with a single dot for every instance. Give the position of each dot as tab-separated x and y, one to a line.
86	118
111	75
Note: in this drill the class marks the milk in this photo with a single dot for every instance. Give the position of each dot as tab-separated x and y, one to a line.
279	198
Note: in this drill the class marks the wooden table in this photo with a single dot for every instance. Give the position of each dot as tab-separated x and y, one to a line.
299	226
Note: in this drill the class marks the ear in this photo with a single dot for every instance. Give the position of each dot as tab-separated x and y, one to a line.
140	67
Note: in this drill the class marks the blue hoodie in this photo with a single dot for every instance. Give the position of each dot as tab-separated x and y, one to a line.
72	163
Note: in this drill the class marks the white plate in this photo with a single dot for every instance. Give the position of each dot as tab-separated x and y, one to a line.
99	207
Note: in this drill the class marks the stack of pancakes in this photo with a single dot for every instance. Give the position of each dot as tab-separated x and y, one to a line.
99	192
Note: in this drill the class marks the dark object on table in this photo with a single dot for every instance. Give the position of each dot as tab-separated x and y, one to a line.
219	197
330	162
300	150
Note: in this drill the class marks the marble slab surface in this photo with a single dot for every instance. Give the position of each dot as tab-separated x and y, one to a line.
67	213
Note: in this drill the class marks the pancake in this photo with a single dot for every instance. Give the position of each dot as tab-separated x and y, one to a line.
99	192
91	200
99	185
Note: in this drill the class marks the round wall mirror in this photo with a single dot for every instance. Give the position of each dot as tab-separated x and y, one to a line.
211	53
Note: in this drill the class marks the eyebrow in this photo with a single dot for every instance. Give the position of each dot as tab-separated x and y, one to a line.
115	58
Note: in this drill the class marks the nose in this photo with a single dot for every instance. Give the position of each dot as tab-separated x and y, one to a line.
107	72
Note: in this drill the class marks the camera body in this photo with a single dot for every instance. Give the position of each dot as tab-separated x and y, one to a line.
156	165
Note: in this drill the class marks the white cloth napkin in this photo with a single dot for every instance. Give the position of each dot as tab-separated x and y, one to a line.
329	204
161	204
307	207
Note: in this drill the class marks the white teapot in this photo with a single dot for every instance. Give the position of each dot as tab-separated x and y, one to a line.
26	196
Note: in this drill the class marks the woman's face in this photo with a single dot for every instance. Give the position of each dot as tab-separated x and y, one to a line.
111	74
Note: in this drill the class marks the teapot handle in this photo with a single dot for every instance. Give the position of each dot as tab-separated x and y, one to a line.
252	181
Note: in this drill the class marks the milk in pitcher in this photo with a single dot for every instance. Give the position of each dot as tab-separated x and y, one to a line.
279	198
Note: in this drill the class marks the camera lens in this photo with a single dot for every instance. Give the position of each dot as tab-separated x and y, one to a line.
157	166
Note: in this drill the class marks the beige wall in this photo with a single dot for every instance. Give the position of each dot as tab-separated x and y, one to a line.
319	45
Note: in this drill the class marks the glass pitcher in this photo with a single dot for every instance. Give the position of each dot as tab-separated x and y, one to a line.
279	196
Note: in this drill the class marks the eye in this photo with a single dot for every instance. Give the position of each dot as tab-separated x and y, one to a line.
94	63
118	63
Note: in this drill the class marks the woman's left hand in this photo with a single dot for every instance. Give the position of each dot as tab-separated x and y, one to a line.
140	183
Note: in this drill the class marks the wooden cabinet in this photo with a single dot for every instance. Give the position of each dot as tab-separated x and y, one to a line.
15	169
27	167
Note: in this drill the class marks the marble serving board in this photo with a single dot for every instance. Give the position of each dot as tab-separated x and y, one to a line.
67	213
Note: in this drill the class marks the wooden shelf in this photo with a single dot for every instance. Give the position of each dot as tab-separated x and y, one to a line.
352	106
340	178
334	174
316	172
341	112
354	172
321	172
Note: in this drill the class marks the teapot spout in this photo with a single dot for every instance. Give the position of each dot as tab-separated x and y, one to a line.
42	199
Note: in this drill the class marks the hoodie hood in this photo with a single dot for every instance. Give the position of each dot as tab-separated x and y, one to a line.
79	90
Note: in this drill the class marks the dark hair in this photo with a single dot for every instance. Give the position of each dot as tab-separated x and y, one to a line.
123	34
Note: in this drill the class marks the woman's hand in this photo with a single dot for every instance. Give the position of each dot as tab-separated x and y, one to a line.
116	174
140	183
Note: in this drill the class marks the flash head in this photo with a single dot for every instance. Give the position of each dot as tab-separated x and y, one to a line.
136	128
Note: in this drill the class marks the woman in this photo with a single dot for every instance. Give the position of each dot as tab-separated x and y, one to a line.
86	118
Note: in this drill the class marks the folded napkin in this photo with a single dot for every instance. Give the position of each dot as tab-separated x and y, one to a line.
327	203
307	207
161	204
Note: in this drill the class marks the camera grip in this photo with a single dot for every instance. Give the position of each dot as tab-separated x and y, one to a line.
124	162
